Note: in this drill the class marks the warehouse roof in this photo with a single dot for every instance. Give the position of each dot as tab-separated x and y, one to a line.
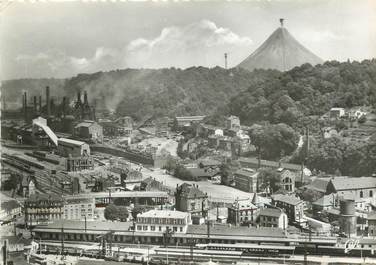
163	214
349	183
236	231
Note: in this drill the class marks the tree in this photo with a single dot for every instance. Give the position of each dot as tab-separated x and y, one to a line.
268	178
272	140
123	213
182	173
111	212
137	210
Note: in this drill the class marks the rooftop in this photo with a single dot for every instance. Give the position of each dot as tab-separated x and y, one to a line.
163	214
74	200
104	226
10	205
319	184
43	197
236	231
272	212
268	163
247	203
85	124
326	200
292	200
70	141
190	191
200	172
248	172
350	183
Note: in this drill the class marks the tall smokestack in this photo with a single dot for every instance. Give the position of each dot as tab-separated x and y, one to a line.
64	106
48	100
23	102
85	98
35	105
40	104
25	106
78	97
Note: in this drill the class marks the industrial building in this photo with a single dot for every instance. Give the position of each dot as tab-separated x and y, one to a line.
68	147
89	131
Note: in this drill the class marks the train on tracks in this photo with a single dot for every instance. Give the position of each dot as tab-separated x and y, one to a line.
253	250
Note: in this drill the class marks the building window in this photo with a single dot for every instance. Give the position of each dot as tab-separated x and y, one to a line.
361	194
160	228
139	227
175	229
371	193
145	228
152	228
181	229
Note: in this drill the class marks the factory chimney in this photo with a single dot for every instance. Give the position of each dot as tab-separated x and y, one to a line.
78	97
40	104
25	106
35	105
63	106
85	99
48	100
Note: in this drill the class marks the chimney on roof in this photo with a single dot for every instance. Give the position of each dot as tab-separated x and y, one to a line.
48	100
281	21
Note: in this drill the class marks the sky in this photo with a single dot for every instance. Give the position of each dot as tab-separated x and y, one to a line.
62	39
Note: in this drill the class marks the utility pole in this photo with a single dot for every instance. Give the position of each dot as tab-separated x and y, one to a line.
62	240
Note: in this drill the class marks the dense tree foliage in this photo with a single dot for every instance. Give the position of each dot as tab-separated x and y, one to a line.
306	91
338	155
268	179
273	140
113	212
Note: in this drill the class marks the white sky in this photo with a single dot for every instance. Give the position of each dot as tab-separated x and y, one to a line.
64	39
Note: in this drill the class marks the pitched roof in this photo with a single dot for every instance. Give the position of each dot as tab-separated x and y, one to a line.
326	200
292	200
248	172
41	197
319	184
272	212
190	191
288	174
240	204
350	183
268	163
